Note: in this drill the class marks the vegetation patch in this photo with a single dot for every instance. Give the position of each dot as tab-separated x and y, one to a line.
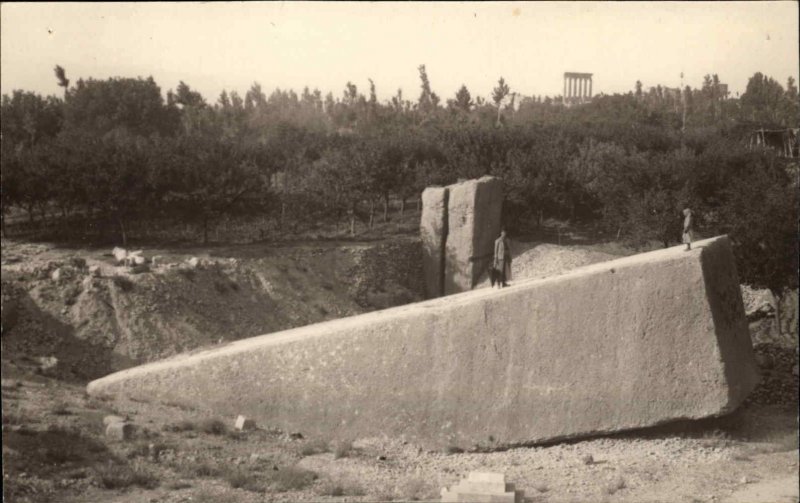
340	487
313	447
52	448
292	478
238	478
342	449
113	476
123	283
213	427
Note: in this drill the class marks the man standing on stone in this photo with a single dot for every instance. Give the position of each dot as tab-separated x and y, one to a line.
502	259
688	228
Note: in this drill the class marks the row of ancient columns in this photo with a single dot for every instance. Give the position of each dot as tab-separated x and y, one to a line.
577	88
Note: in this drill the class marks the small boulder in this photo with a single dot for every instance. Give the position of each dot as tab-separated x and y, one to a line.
47	362
57	274
120	254
244	423
94	271
112	418
120	430
193	262
156	260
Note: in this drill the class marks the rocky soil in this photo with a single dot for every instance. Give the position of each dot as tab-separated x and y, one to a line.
55	448
93	316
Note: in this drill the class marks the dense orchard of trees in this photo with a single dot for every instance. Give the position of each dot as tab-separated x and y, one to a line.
116	151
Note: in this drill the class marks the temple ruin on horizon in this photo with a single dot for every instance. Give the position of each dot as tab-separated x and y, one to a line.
577	88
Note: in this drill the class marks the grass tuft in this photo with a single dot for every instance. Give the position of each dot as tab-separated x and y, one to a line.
340	487
292	478
213	427
122	476
616	485
183	425
342	449
189	274
177	485
123	283
417	488
202	469
241	479
313	447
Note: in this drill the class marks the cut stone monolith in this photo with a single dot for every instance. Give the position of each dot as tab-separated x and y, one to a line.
473	223
613	346
433	232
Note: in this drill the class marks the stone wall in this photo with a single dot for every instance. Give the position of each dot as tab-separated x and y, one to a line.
617	345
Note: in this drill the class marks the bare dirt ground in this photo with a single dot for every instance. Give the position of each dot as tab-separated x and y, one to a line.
54	448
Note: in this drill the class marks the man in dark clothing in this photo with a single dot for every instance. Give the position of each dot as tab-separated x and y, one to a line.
502	260
688	228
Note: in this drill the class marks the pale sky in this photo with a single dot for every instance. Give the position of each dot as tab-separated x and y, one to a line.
289	45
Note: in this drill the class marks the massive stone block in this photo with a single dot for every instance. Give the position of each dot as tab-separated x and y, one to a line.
433	231
473	223
613	346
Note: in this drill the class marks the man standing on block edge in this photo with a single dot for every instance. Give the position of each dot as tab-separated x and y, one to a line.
502	260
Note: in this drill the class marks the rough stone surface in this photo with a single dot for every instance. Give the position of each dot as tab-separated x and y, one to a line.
433	231
244	423
483	487
119	430
613	346
113	419
473	223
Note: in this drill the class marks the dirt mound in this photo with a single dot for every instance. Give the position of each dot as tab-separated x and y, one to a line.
95	317
532	260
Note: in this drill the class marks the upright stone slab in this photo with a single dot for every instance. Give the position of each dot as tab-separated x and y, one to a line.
613	346
433	231
473	223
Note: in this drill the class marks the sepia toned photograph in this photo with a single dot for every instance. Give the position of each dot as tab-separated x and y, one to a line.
481	252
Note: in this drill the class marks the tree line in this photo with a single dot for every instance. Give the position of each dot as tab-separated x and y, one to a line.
119	152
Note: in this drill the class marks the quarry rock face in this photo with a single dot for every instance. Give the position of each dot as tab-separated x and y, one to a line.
433	232
613	346
458	226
